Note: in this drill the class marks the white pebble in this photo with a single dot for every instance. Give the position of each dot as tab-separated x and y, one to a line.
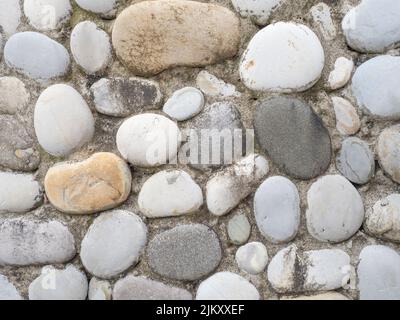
99	289
321	14
239	229
214	87
8	290
105	8
10	16
252	257
341	74
184	104
258	10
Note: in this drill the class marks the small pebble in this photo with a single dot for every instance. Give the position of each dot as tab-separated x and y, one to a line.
106	8
387	149
184	104
10	16
239	229
214	87
347	120
14	97
321	14
341	74
252	257
258	10
8	290
99	290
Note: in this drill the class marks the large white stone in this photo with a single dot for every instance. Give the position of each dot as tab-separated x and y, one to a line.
10	16
184	104
277	209
169	193
8	290
105	8
13	95
113	243
63	121
283	57
258	10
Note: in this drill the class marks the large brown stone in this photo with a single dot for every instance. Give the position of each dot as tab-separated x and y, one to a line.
99	183
152	36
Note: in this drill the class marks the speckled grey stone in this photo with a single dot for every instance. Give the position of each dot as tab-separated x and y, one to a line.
356	161
239	229
293	136
186	252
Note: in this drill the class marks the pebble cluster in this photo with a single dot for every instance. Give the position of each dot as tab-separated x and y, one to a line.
91	209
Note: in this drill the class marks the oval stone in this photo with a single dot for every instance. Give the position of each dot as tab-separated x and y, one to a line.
282	57
113	243
106	8
186	252
239	229
152	36
252	257
169	193
387	149
335	209
99	183
63	121
184	104
347	120
277	209
293	136
36	56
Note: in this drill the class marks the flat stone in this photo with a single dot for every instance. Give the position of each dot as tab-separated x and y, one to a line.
375	86
335	209
226	286
186	252
341	73
282	57
252	257
239	229
387	149
36	56
106	8
321	14
10	16
373	26
347	120
99	183
257	10
19	192
214	87
142	288
226	189
30	242
8	290
170	193
113	243
152	36
277	209
379	273
148	140
59	284
293	136
322	296
90	47
18	148
99	290
63	121
184	104
121	97
13	95
356	161
47	15
383	219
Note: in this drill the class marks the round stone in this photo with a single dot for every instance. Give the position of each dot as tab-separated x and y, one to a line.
36	56
277	209
13	95
106	8
226	286
355	161
341	74
186	252
99	290
252	257
347	120
113	243
387	149
47	15
148	140
10	16
170	193
373	26
383	219
375	86
239	229
335	209
379	273
59	284
258	10
8	290
293	136
184	104
283	57
63	121
90	47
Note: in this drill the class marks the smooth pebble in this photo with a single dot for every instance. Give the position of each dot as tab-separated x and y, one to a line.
252	258
347	119
239	229
184	104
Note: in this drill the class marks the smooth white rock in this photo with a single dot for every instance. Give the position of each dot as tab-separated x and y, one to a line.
47	14
387	149
62	119
321	14
335	209
341	73
281	269
227	188
170	193
13	95
59	284
347	119
90	47
106	8
36	56
10	16
19	192
214	87
99	289
226	286
184	104
277	209
379	273
113	243
148	140
239	229
283	57
258	10
8	290
252	257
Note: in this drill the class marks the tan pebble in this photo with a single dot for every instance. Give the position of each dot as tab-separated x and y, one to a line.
347	120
